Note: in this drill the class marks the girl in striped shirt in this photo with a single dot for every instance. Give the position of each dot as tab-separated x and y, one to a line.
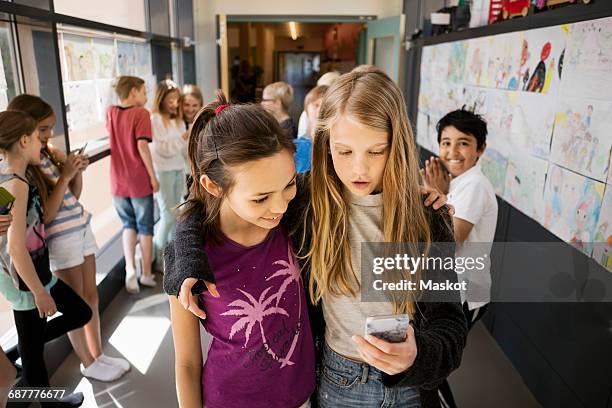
72	246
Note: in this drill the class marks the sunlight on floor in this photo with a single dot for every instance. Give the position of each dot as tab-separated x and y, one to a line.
138	338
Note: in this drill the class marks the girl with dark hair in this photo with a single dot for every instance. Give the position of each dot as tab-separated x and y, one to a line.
244	178
72	245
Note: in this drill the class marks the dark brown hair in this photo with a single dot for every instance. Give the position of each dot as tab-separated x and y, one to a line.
235	135
13	125
39	110
125	84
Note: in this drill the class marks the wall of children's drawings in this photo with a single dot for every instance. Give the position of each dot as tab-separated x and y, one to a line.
547	97
89	68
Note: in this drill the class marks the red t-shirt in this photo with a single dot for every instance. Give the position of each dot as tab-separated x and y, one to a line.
129	177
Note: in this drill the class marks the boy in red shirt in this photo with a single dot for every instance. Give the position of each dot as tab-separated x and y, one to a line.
133	180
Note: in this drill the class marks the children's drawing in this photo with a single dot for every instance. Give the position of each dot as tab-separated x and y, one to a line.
524	184
79	58
533	117
498	113
582	137
504	60
572	205
81	109
106	97
476	62
105	57
143	59
546	47
520	76
586	68
126	58
602	249
494	166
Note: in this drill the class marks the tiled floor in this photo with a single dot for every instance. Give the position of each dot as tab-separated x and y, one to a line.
138	328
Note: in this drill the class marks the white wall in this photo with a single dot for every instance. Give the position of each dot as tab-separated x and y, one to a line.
206	10
121	13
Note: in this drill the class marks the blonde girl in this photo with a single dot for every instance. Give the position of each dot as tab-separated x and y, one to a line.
168	151
192	102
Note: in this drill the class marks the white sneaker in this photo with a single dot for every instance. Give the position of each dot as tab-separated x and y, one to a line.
100	371
131	282
114	361
148	281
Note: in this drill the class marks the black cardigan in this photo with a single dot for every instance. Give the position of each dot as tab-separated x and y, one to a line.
440	328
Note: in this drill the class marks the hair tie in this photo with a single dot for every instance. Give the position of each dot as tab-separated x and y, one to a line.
219	108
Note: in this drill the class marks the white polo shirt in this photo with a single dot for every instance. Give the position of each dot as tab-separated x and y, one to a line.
473	197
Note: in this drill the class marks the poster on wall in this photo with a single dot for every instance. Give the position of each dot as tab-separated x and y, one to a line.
582	138
494	166
78	58
142	57
476	61
106	97
105	57
545	51
81	112
533	117
126	58
151	84
504	61
586	68
572	204
602	250
524	184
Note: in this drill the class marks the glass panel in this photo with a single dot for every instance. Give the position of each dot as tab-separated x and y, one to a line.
189	66
159	15
185	18
42	4
162	61
39	62
8	65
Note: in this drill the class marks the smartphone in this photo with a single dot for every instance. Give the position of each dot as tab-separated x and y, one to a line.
6	201
82	149
390	328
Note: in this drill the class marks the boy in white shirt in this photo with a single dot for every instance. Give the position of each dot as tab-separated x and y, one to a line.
462	137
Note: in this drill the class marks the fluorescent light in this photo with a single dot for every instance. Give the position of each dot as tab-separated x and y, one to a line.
293	30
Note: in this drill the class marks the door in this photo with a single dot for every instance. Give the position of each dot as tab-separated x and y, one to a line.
385	45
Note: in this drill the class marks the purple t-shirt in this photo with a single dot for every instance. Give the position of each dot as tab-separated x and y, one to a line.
262	353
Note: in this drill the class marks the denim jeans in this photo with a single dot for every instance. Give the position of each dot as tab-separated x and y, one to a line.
169	196
348	383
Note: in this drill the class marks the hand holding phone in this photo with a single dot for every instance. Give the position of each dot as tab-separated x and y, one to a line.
390	328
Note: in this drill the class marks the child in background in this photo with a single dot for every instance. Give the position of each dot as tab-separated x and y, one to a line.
192	103
25	279
312	106
462	137
262	353
327	79
133	179
72	245
168	151
277	99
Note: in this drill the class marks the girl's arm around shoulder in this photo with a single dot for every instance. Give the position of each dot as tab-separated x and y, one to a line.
188	355
185	256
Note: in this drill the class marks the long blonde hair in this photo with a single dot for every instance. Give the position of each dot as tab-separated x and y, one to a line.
370	97
164	88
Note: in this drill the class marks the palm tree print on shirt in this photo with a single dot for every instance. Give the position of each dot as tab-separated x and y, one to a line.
254	311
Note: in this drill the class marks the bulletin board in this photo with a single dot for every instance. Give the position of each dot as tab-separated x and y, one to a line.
547	97
90	66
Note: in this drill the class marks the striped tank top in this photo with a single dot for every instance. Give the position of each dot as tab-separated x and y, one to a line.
71	216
